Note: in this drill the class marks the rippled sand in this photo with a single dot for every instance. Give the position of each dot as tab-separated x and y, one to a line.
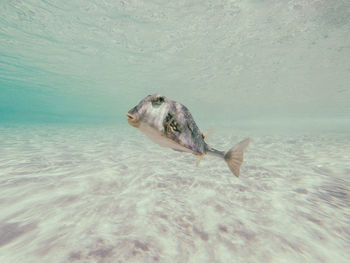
108	194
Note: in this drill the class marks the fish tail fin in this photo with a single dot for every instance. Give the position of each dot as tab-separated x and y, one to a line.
234	157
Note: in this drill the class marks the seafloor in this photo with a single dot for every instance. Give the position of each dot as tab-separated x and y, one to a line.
108	194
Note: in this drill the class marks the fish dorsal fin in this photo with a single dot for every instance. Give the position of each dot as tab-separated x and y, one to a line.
208	134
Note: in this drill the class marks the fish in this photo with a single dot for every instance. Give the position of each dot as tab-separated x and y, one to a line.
170	124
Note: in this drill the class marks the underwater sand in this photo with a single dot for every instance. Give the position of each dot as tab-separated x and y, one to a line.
108	194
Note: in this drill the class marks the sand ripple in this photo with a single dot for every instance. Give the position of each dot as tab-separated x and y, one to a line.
107	194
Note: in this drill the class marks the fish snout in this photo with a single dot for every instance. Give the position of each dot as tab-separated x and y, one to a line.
133	117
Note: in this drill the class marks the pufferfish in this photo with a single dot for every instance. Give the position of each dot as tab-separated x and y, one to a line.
170	124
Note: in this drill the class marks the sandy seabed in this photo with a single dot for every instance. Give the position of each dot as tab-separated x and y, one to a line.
108	194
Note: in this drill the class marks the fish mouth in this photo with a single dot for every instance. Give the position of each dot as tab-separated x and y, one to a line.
130	116
132	119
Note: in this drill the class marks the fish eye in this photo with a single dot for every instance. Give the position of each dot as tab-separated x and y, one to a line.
157	101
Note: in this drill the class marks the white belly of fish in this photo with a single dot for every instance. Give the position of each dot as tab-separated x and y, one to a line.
161	139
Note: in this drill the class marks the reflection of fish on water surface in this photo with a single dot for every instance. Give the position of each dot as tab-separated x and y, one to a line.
170	124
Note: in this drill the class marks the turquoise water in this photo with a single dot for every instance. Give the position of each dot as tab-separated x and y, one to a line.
78	184
91	60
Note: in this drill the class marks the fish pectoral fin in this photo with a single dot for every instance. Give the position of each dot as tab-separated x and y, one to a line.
200	157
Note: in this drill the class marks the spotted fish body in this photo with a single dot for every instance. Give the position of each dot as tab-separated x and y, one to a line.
170	124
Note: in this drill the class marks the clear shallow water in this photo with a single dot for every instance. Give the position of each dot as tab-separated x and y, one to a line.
90	60
77	184
91	194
